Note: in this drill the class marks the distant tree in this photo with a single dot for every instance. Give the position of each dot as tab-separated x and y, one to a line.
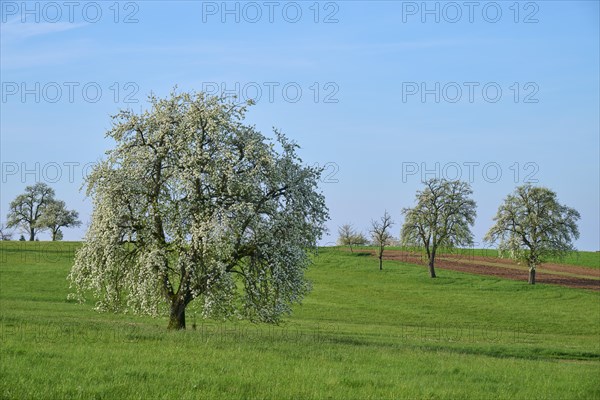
360	239
193	204
5	234
532	226
21	238
441	218
56	216
26	209
348	236
394	241
381	236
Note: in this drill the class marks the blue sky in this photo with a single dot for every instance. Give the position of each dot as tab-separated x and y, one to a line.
380	93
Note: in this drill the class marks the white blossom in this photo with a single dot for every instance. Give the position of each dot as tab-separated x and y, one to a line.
193	204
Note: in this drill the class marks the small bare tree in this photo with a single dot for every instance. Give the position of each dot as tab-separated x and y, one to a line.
380	232
5	233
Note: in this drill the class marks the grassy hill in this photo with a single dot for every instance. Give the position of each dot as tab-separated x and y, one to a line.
361	334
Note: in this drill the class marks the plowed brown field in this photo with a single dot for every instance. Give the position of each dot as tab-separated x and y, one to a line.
556	274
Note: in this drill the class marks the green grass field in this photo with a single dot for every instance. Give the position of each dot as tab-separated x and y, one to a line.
361	334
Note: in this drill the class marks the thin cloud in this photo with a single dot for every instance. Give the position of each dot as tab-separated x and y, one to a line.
16	55
17	30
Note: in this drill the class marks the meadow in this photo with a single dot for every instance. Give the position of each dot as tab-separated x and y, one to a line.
360	334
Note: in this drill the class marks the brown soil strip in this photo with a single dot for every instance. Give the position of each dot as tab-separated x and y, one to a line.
555	274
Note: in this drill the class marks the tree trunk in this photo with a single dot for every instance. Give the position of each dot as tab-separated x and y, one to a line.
177	315
31	234
431	269
53	235
531	275
381	263
431	261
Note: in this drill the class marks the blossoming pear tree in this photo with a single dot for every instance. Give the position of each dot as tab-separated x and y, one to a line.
533	227
193	205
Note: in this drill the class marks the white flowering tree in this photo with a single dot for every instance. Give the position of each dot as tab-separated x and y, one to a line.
442	217
56	216
192	204
532	226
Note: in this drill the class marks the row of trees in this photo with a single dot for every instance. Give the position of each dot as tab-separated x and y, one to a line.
193	205
37	210
530	225
379	233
